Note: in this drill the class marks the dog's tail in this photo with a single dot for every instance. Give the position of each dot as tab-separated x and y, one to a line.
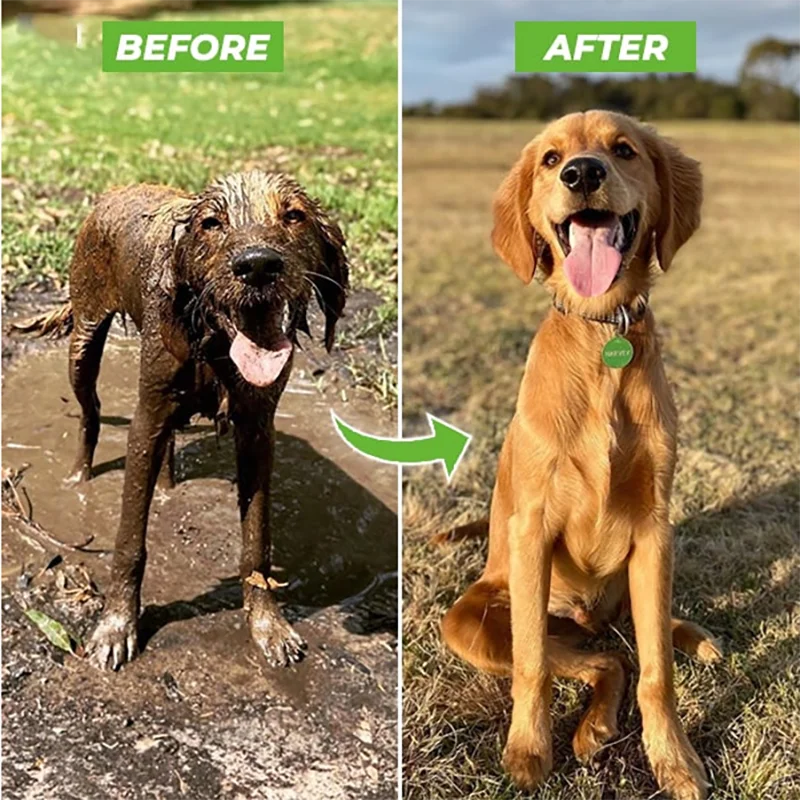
479	529
55	325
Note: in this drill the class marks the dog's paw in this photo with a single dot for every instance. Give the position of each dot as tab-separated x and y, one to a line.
527	768
677	767
279	642
114	641
709	651
696	641
80	474
592	734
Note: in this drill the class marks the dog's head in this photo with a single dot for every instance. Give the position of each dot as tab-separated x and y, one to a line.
246	254
593	201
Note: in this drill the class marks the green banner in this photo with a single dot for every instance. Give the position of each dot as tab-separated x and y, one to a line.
606	46
192	46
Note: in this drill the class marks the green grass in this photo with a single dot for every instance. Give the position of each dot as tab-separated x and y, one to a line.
330	119
727	312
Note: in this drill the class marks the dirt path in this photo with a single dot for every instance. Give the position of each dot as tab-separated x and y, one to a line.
198	714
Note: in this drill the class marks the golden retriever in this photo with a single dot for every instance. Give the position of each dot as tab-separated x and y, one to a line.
579	528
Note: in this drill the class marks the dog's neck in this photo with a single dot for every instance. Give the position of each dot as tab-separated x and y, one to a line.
624	316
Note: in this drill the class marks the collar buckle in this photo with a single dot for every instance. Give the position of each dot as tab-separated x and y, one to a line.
623	320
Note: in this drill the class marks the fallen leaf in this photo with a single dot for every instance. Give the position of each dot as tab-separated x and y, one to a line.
260	582
144	744
363	733
55	632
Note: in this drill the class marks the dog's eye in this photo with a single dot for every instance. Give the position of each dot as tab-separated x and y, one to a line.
210	224
551	158
294	215
623	150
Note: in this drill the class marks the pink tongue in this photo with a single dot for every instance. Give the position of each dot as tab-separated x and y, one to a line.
593	260
259	366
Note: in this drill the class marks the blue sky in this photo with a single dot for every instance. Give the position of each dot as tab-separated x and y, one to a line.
451	46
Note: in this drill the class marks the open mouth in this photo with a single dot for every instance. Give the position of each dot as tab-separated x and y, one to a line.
261	358
594	243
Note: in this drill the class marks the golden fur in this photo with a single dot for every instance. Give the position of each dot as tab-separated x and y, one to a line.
579	528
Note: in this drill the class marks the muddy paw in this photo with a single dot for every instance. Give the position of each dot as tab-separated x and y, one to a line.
593	732
680	773
526	768
114	641
281	645
78	476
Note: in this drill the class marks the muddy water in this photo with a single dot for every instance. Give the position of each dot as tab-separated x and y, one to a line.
198	713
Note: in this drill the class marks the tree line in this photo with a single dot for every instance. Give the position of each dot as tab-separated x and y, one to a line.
766	89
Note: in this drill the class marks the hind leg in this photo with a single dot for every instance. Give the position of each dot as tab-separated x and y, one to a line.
85	353
606	674
695	641
478	629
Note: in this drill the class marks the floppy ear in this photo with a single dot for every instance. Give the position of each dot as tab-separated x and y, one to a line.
165	229
331	280
168	225
513	235
681	186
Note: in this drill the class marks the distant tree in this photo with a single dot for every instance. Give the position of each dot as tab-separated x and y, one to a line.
769	78
773	60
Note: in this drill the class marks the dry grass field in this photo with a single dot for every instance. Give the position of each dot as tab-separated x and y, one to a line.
728	312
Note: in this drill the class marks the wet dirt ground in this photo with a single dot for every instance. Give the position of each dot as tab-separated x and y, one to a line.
198	714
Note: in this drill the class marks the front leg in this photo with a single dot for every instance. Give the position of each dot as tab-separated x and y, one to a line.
275	637
528	755
115	639
677	767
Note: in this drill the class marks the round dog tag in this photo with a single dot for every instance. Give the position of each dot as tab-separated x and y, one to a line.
617	353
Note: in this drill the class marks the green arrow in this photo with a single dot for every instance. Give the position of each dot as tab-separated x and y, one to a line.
448	445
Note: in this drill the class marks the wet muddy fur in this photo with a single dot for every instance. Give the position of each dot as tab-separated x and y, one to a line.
238	262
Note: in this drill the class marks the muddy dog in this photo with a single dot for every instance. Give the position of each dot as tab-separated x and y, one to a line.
218	284
597	204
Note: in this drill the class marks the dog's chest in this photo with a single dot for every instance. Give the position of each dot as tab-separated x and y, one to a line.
608	479
199	391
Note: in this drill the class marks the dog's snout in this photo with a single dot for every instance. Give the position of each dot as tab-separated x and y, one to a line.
583	175
257	266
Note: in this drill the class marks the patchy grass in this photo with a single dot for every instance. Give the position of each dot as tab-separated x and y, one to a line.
70	131
728	315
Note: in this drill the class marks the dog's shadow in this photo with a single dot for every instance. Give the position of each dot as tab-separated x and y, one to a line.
336	540
744	551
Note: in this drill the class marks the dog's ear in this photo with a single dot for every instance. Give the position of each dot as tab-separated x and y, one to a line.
681	188
513	236
331	279
167	279
168	226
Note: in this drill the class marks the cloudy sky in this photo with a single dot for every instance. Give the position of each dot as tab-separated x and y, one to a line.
450	46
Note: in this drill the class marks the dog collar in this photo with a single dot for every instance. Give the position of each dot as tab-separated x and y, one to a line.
622	317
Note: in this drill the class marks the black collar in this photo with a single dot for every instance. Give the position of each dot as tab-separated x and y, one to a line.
623	316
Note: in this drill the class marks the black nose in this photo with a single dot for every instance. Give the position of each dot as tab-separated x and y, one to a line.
583	175
258	266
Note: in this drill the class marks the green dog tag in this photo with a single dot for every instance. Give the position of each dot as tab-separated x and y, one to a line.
617	353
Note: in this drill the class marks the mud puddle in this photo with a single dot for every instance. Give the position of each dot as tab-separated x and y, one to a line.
198	714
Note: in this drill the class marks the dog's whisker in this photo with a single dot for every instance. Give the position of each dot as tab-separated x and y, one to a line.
317	292
325	277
